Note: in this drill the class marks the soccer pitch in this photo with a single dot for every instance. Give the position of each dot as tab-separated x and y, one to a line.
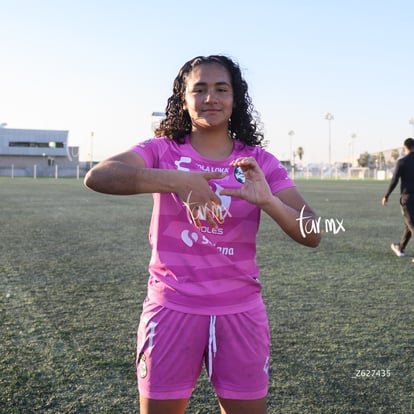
73	274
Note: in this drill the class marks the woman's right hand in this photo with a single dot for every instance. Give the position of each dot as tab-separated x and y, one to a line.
200	200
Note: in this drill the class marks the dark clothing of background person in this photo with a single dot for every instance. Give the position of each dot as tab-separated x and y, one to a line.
404	173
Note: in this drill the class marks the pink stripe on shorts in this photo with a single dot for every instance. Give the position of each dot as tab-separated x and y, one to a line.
172	346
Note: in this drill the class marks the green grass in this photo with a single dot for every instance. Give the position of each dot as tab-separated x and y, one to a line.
73	268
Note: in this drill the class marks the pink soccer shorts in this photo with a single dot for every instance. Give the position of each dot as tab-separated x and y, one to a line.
172	347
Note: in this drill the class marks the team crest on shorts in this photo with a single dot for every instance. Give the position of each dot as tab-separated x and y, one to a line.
142	366
239	175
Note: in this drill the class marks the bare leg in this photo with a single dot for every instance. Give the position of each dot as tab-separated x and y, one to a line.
243	406
149	406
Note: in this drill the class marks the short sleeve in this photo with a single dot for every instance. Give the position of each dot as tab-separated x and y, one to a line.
149	150
276	174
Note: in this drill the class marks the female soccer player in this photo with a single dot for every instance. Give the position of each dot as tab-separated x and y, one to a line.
210	178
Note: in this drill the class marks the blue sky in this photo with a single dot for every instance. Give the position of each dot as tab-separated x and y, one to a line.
106	65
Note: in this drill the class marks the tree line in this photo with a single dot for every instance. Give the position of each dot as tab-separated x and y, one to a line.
378	160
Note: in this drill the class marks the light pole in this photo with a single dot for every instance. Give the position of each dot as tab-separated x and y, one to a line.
92	134
353	137
329	117
411	121
291	133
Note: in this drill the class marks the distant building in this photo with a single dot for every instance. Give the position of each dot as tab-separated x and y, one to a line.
157	117
43	153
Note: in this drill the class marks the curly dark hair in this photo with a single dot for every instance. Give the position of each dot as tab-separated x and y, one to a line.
244	124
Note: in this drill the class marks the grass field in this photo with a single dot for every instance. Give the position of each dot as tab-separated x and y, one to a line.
73	268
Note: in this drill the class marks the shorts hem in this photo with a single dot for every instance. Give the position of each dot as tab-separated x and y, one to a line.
242	395
166	395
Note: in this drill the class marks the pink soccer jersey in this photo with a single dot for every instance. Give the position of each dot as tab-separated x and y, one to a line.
206	271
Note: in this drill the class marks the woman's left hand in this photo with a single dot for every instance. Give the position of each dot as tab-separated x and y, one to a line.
255	189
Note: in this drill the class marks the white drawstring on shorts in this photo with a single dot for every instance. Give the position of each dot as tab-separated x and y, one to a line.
151	334
212	346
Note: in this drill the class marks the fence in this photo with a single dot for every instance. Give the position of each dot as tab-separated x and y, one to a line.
324	173
36	171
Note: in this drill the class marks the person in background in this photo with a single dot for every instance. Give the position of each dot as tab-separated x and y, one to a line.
211	178
404	172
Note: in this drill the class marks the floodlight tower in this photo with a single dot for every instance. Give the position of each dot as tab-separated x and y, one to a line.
291	133
411	121
92	134
353	137
329	117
